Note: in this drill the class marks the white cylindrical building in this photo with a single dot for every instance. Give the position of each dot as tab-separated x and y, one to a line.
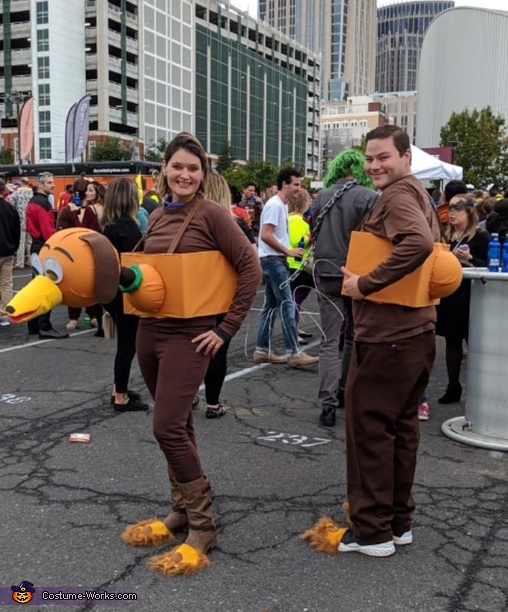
462	65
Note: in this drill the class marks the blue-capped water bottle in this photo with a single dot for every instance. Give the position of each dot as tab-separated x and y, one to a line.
300	245
504	257
76	200
494	254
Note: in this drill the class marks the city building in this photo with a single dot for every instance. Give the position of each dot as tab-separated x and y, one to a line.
343	124
402	107
342	32
462	66
401	28
255	88
153	68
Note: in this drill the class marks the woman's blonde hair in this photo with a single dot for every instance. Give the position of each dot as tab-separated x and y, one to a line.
187	142
121	199
298	204
217	190
472	216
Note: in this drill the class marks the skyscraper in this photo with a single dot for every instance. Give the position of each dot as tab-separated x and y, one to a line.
401	29
343	32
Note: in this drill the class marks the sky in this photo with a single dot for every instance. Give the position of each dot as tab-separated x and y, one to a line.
252	5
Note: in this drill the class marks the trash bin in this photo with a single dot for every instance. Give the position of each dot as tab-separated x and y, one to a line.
485	423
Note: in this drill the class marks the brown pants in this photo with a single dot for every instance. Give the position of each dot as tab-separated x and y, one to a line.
173	371
382	433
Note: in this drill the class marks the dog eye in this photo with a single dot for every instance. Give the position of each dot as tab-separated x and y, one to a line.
53	269
36	265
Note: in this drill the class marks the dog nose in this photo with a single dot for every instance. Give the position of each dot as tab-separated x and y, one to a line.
9	309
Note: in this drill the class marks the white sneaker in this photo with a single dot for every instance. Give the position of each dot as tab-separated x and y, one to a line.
4	321
404	539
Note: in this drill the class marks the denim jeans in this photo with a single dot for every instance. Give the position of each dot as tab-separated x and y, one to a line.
277	300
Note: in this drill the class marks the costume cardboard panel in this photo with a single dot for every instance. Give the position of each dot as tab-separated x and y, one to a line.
438	276
196	284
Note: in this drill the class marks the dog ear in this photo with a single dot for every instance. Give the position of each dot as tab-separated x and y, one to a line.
107	266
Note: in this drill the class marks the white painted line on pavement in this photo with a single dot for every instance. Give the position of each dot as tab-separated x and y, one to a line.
37	342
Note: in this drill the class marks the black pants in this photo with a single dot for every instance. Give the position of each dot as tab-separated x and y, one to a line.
42	323
126	330
216	372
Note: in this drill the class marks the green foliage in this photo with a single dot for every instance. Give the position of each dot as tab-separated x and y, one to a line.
155	152
6	156
225	161
481	145
110	149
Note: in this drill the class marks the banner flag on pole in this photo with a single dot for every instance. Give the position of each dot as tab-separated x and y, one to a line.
81	125
69	133
26	128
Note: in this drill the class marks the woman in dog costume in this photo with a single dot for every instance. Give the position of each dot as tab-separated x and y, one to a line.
174	352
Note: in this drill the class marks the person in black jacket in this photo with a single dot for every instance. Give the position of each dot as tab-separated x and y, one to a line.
10	232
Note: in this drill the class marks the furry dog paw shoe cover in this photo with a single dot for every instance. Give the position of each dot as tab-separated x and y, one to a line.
151	532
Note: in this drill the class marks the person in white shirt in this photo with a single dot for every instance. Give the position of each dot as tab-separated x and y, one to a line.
273	251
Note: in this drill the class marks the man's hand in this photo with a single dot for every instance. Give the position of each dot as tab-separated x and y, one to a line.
350	284
298	252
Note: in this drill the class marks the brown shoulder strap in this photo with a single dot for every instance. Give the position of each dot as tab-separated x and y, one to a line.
183	227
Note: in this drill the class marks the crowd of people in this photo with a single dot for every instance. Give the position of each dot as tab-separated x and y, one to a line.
295	244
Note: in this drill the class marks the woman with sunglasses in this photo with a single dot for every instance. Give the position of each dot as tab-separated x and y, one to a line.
469	243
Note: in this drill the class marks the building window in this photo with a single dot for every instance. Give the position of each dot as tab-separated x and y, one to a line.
42	40
44	97
45	148
42	12
43	67
44	121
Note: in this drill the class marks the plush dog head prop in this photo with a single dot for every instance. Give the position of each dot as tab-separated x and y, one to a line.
76	267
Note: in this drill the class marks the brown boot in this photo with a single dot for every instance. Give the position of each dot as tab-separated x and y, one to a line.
153	532
190	556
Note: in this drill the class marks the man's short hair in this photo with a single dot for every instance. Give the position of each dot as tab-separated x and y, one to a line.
286	175
400	138
454	188
249	184
42	176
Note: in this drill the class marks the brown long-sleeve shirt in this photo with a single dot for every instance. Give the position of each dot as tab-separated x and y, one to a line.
404	215
211	229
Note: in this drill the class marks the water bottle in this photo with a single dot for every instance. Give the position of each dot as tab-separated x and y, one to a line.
494	254
504	267
300	245
76	200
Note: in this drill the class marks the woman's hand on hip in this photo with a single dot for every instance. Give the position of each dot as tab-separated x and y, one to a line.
209	343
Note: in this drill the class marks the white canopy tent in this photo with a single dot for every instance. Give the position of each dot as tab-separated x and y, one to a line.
428	167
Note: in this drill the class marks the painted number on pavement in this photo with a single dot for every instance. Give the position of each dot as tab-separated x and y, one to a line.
285	438
10	398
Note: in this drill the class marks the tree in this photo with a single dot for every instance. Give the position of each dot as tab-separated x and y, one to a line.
225	161
111	149
155	152
262	173
6	156
481	145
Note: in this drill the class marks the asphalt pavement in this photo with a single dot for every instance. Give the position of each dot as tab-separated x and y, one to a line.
274	472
